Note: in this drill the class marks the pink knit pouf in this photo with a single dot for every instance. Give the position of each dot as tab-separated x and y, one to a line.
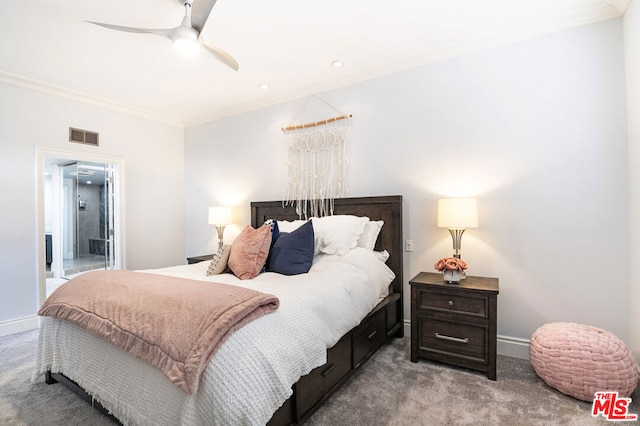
579	360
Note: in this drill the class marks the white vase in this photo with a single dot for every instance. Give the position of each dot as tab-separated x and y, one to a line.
452	276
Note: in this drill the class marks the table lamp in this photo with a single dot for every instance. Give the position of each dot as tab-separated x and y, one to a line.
457	214
220	217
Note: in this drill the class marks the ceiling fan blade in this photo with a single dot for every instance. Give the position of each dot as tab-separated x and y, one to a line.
166	33
200	11
222	56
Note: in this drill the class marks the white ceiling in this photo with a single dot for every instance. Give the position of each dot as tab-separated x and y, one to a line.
288	44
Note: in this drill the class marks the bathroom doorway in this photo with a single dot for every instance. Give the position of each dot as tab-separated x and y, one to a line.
80	199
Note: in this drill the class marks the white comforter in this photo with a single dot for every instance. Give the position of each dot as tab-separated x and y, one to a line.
251	375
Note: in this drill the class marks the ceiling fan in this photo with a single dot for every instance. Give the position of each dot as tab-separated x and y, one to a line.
186	36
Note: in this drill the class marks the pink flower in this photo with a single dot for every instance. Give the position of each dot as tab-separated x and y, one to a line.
450	264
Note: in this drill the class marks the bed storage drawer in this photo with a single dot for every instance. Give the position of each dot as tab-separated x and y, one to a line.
312	387
369	336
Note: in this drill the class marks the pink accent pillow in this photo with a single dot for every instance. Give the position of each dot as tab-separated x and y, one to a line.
249	252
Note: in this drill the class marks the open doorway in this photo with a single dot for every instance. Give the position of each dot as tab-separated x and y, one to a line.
80	216
79	224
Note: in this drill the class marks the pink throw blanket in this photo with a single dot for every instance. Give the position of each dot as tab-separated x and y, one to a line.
173	323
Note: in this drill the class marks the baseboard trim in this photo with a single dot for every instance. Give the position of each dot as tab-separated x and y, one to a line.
18	325
513	346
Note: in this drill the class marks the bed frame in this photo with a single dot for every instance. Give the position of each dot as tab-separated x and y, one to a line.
356	346
383	322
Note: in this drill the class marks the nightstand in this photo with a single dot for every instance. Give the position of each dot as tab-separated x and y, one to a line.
455	323
198	259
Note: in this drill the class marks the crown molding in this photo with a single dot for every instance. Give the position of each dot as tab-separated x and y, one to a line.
620	5
595	12
40	86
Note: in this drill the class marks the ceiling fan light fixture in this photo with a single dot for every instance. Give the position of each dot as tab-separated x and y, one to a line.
185	38
186	46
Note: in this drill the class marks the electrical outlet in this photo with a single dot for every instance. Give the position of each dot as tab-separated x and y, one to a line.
408	246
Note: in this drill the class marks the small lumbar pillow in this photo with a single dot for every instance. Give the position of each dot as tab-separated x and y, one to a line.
292	253
249	252
219	262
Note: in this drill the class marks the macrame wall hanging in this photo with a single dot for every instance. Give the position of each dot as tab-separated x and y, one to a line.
316	164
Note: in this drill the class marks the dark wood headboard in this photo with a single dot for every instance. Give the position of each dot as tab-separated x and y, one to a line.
387	208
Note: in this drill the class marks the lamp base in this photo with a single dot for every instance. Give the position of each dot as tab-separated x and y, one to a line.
220	229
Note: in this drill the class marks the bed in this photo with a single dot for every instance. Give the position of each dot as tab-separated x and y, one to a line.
311	363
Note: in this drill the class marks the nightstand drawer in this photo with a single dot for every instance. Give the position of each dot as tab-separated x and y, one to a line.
454	303
454	339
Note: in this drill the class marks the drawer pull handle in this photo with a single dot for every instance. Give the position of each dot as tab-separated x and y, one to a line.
450	302
326	372
373	333
453	339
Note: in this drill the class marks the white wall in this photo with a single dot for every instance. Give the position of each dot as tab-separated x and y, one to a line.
632	58
154	193
535	130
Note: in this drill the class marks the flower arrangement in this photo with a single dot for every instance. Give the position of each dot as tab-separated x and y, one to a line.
450	264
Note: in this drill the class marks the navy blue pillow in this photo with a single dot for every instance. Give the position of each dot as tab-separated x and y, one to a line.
292	252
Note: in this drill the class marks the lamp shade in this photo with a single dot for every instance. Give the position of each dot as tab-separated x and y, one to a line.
219	215
457	213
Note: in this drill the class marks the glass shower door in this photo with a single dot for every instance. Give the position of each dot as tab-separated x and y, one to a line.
87	217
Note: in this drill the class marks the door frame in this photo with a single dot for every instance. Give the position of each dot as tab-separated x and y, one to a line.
118	212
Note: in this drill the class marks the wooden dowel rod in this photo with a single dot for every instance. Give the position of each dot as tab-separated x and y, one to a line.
317	123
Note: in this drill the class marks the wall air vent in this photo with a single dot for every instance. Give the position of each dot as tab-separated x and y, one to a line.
83	136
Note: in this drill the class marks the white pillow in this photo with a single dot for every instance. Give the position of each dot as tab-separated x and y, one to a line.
370	262
337	234
370	234
286	226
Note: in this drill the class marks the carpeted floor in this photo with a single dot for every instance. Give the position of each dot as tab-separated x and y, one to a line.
388	390
23	403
